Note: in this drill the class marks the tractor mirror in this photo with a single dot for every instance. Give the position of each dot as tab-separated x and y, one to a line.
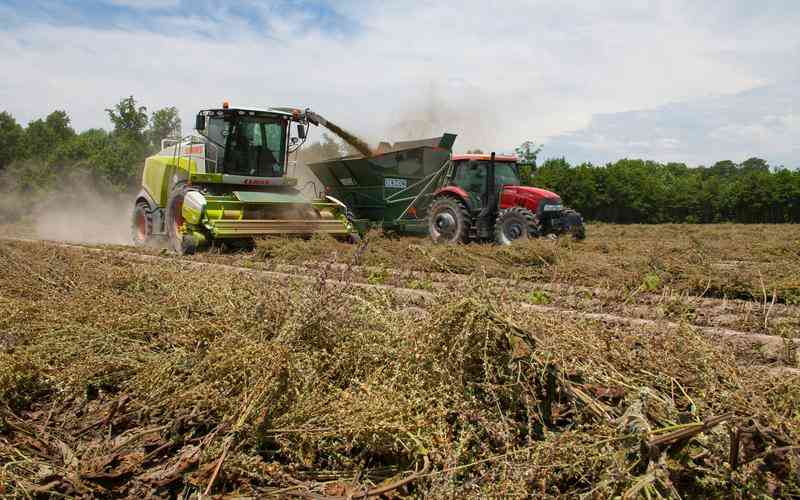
301	131
200	122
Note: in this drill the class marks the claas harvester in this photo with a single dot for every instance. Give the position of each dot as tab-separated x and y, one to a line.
228	182
422	187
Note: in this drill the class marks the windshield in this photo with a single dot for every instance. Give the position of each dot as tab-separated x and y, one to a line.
254	146
471	176
505	174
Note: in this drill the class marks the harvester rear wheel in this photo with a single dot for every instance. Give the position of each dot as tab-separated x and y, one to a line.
141	225
174	217
515	223
449	220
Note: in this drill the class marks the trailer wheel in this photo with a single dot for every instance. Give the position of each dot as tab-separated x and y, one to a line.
449	220
515	223
141	225
174	217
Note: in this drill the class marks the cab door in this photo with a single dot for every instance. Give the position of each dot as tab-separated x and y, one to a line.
471	177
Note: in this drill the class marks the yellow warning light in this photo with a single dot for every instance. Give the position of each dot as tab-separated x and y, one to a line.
226	104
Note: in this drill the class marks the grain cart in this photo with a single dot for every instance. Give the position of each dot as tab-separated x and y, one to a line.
228	182
422	188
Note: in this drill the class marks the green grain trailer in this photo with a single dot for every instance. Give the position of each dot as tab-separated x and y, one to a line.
392	189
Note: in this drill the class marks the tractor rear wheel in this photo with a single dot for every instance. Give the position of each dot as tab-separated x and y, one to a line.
449	221
141	225
174	219
515	223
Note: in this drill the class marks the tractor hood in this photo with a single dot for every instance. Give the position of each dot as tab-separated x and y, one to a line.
534	199
531	192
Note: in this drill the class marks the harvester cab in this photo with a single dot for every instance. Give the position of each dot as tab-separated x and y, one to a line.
228	181
480	197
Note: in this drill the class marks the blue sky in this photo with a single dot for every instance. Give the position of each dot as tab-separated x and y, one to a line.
679	80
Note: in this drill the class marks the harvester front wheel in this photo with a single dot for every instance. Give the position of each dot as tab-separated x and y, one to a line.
448	220
515	223
141	225
174	218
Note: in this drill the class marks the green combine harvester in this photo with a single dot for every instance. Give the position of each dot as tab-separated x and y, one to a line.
227	182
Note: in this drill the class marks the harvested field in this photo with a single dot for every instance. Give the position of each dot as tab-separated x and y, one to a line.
406	370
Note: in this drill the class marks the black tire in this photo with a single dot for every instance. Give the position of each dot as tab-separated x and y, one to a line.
449	220
188	245
174	217
578	231
141	225
515	223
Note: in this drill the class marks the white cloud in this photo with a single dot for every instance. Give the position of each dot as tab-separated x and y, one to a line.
145	4
498	74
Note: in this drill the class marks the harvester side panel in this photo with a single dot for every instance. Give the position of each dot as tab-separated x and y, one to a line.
157	179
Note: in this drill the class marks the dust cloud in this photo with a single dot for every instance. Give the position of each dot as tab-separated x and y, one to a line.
84	215
471	115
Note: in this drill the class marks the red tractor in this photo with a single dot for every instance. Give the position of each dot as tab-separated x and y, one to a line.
480	198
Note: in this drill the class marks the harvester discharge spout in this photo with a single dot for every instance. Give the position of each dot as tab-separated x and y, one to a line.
358	144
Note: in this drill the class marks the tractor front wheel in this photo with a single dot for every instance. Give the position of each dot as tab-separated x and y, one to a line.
141	225
515	223
449	221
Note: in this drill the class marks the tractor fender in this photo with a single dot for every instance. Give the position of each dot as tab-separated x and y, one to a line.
156	212
454	191
145	197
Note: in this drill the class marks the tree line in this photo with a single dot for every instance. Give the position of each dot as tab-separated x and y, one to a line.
34	158
643	191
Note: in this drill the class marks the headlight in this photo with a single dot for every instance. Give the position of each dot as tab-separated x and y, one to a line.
552	208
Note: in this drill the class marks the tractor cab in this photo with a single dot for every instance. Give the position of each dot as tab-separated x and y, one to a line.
476	173
245	142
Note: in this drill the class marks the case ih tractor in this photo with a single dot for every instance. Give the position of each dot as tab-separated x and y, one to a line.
421	187
481	198
228	182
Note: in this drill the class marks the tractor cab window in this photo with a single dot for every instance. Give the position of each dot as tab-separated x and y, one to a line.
256	147
471	177
217	130
505	174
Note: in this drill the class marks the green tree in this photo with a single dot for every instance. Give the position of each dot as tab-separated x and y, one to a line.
527	152
43	137
11	137
164	123
57	124
129	119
